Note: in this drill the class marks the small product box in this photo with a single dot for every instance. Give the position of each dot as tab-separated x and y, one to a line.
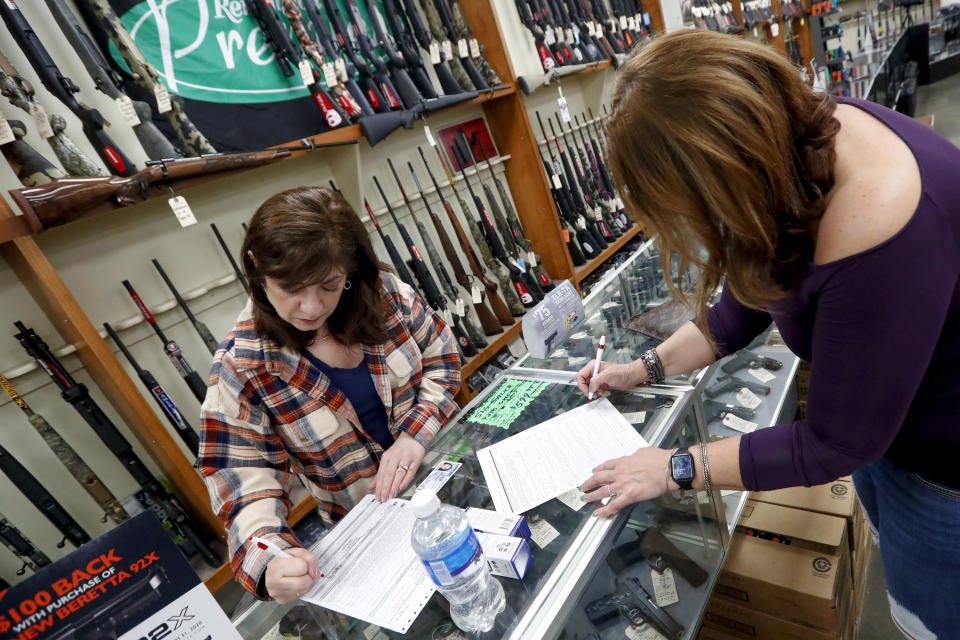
507	556
501	524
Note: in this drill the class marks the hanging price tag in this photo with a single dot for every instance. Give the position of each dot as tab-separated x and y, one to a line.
573	499
761	374
570	38
41	120
774	29
623	22
739	424
462	48
182	210
631	24
306	72
636	417
430	140
447	48
476	293
341	68
6	133
474	48
664	587
434	53
597	214
581	222
163	98
564	108
748	398
330	75
531	258
548	36
755	32
542	533
556	181
127	112
461	309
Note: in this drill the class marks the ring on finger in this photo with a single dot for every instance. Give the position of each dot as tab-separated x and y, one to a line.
403	467
609	491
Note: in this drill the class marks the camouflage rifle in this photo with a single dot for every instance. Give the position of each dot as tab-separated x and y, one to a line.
457	39
438	36
79	469
100	13
464	30
63	89
109	82
32	169
18	91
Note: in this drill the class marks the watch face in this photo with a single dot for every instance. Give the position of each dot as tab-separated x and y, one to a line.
681	467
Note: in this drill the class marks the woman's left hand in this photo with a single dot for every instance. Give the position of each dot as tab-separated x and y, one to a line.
398	467
634	478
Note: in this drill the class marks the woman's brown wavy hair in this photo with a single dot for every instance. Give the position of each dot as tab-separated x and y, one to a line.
721	150
300	237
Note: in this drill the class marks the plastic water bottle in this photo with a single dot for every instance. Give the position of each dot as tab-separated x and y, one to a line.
449	550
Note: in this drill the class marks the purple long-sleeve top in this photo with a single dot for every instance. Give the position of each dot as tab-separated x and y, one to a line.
881	330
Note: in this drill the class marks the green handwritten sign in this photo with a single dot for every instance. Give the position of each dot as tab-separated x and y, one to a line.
506	403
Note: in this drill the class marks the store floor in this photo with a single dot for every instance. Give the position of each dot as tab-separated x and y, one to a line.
942	101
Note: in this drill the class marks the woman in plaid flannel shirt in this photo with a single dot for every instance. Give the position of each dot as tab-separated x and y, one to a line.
321	306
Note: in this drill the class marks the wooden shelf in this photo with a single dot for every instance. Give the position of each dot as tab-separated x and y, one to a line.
224	574
592	266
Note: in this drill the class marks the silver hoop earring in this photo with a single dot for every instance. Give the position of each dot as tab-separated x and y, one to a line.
347	285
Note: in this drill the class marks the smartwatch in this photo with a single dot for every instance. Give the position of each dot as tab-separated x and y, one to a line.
682	469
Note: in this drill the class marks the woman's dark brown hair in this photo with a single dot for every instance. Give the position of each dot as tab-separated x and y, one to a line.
300	237
723	152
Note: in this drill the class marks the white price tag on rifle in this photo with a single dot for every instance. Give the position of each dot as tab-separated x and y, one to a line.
6	133
306	72
623	22
774	29
41	120
447	48
462	48
556	181
330	75
631	24
474	48
476	293
430	140
127	112
542	533
163	98
762	375
182	210
748	398
664	587
564	107
598	214
549	37
461	309
531	258
739	424
570	38
341	68
435	53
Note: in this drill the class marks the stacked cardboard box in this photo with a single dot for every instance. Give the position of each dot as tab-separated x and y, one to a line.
795	569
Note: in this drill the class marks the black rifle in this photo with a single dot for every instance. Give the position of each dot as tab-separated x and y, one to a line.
171	348
35	492
395	258
405	87
64	88
748	359
288	57
233	262
499	307
79	469
449	25
485	224
604	186
109	82
719	410
547	60
514	225
580	197
461	322
31	167
442	68
20	545
506	233
488	320
405	44
157	497
159	394
596	141
591	195
201	328
732	382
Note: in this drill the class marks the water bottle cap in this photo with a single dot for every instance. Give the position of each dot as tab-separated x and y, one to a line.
424	503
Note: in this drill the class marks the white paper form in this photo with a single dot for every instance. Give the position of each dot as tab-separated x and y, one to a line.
369	568
544	461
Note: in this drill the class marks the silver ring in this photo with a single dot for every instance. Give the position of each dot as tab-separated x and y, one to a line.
610	491
403	466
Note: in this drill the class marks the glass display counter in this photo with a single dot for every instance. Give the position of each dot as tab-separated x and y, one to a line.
565	568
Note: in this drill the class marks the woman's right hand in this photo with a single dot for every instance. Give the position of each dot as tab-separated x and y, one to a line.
289	578
612	375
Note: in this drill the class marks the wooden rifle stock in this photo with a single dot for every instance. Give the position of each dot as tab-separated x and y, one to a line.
67	199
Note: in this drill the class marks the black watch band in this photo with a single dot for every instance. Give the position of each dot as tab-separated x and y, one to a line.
682	468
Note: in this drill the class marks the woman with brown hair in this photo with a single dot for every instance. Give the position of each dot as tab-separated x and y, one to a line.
840	220
336	374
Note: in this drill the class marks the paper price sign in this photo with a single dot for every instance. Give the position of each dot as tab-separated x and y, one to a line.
664	587
739	424
435	53
462	48
43	122
762	375
330	75
748	398
163	98
447	47
564	108
127	112
6	133
474	48
182	210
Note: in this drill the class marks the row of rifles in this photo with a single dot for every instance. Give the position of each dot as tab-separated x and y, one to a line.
572	32
360	66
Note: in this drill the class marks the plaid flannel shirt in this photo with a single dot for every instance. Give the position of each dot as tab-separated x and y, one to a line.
267	420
